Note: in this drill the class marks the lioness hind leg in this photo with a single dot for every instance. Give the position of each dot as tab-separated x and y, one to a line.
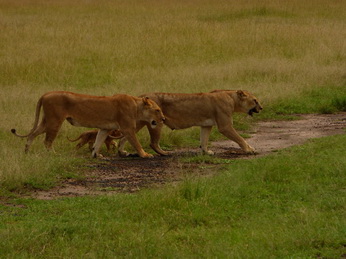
100	138
50	137
204	137
39	130
51	133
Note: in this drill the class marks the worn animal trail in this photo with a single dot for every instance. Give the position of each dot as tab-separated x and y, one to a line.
116	174
274	135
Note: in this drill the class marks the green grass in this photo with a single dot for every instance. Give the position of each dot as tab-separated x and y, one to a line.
40	170
278	206
321	100
290	54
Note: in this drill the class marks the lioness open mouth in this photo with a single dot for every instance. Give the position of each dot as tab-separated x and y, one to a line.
253	110
153	123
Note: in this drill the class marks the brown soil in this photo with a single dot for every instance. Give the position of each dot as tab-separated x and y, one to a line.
113	174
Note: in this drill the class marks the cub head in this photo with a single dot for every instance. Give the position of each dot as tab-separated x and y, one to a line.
152	113
248	103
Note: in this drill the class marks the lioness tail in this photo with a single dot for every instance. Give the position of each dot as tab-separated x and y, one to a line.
37	116
15	133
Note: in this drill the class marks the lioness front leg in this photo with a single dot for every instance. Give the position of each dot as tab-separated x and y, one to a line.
100	138
232	134
204	137
121	147
155	135
131	137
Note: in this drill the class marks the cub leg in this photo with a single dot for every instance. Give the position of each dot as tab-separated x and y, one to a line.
227	130
90	144
107	146
205	133
100	138
110	144
113	145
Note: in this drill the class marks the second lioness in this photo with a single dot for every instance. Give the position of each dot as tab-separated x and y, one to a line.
202	109
122	112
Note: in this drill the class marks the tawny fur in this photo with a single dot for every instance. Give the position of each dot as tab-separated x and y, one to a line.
118	112
89	138
206	110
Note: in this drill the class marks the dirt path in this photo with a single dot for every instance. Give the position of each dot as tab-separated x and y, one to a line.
115	174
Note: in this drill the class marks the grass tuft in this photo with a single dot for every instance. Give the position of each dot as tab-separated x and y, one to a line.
339	103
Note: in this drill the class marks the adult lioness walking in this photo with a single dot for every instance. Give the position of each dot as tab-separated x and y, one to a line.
205	110
120	111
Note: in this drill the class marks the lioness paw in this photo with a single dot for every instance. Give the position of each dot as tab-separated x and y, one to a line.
147	155
250	150
123	153
208	152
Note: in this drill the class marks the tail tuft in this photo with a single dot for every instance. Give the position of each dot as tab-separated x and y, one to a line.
13	131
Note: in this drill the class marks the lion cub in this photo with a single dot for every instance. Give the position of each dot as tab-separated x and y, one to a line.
90	137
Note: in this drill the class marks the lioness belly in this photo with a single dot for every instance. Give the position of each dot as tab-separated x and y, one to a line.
179	124
99	124
207	123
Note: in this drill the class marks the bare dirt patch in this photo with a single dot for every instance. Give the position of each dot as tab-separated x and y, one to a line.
114	174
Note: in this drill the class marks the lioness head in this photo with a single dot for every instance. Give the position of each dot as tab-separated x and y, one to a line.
152	113
248	102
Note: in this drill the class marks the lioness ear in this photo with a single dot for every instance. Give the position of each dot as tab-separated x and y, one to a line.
241	93
145	100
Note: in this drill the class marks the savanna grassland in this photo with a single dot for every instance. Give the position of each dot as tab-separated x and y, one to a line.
290	54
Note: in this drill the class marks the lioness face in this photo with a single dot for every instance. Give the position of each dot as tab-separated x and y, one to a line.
249	102
152	113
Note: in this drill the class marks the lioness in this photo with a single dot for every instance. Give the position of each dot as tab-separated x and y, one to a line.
203	109
119	111
90	137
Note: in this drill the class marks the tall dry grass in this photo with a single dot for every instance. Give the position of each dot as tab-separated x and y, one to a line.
276	49
139	46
